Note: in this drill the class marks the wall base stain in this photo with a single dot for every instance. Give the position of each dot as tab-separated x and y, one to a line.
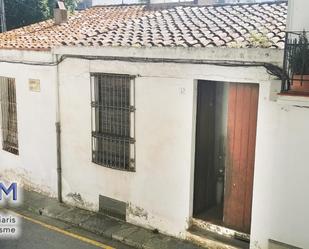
25	181
76	197
256	245
76	200
137	211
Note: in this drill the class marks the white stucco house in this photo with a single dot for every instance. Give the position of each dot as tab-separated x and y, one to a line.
175	116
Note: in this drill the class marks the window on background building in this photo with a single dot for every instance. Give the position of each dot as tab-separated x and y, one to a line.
112	104
8	115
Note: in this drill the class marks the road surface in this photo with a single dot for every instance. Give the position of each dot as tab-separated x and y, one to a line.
45	233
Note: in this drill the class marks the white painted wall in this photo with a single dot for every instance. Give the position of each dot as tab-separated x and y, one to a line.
165	126
298	15
161	184
280	206
35	166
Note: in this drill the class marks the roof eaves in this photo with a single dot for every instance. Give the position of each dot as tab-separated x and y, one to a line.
26	49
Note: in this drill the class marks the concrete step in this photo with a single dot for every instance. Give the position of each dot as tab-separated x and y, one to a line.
224	231
213	240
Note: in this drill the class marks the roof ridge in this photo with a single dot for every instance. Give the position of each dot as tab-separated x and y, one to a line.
241	4
189	4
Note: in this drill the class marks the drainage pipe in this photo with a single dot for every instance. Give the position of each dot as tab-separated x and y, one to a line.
58	136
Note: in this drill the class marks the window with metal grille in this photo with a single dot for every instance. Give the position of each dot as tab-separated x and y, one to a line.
8	115
112	104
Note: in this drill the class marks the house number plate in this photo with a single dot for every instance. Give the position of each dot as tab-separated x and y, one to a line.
34	85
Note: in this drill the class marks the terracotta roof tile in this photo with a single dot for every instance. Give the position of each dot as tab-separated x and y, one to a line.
135	25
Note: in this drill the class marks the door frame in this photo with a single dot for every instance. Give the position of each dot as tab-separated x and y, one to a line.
225	231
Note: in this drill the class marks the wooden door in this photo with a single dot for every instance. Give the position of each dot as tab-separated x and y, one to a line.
204	173
241	130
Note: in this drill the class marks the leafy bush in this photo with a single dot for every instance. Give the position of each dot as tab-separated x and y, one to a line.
24	12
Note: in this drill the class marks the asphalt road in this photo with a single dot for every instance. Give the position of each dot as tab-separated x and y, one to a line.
51	234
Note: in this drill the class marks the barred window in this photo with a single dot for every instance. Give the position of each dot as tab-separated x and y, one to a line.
8	115
112	104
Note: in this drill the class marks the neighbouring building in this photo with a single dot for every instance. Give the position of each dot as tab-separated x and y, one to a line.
183	117
84	4
107	2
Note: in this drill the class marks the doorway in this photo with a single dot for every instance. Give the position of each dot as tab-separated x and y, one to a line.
224	157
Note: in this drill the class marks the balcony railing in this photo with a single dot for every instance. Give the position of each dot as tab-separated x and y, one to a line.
296	63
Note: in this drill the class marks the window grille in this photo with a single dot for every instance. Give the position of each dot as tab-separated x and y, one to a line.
112	104
8	115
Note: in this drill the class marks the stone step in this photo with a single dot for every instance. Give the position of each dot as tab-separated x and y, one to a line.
213	240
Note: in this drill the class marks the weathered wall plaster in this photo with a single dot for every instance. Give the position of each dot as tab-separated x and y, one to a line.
160	193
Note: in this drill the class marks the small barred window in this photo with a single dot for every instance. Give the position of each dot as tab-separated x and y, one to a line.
8	115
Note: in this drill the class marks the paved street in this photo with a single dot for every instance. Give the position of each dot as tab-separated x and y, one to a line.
48	224
53	234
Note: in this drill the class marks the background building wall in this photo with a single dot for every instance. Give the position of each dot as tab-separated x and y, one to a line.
84	4
298	15
281	170
102	2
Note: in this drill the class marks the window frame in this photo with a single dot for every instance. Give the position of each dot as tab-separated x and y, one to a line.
94	95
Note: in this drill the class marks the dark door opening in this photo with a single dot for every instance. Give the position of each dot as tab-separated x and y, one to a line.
210	151
224	158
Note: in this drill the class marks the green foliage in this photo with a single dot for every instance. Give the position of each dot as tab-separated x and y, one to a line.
255	39
259	40
70	4
24	12
299	56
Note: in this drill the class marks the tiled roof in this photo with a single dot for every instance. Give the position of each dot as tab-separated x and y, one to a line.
239	25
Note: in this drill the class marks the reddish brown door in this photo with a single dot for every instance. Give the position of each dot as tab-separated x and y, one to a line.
241	127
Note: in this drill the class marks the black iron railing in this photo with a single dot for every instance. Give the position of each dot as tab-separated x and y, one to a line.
296	63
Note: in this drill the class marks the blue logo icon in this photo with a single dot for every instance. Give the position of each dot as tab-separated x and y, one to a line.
7	191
